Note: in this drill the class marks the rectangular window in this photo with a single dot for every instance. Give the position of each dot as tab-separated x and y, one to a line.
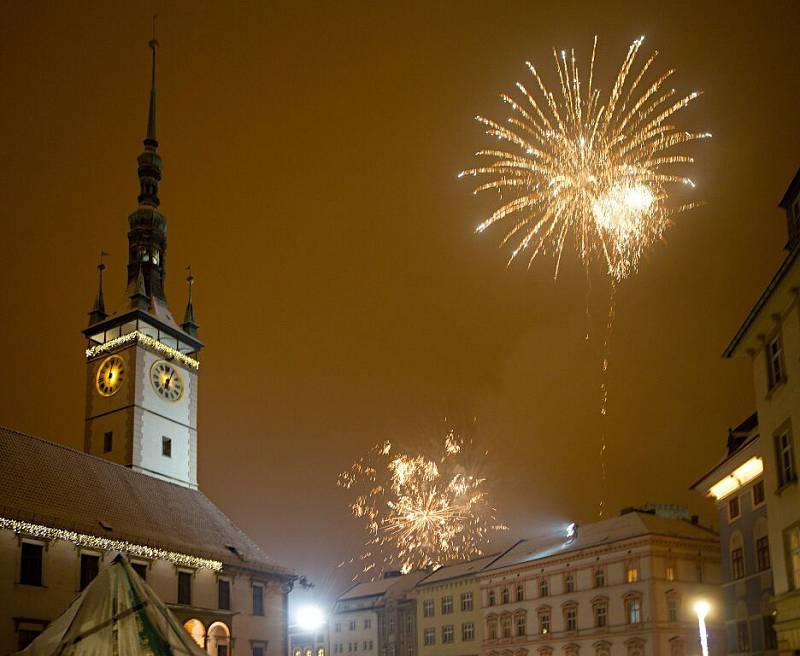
166	447
224	593
758	493
222	650
544	587
633	611
733	509
600	615
632	573
258	600
742	636
337	627
770	639
468	631
569	583
26	637
521	629
30	564
447	633
140	569
185	588
775	361
430	637
737	563
466	601
785	457
491	598
544	623
505	625
108	442
90	565
672	609
762	553
257	651
599	577
409	624
427	608
669	572
793	561
571	618
367	622
352	625
492	629
447	605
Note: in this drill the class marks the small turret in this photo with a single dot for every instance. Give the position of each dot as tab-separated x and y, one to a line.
189	324
98	311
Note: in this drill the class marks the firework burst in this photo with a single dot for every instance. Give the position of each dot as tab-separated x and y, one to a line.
598	172
419	511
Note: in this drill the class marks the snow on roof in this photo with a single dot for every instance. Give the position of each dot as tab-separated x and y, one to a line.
379	587
456	570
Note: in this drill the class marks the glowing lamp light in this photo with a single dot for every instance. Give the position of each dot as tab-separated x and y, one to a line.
742	475
309	618
701	607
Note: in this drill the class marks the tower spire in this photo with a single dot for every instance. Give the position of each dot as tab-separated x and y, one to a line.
151	115
98	311
189	324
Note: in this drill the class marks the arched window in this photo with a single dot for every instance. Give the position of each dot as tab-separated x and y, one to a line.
737	555
219	639
196	629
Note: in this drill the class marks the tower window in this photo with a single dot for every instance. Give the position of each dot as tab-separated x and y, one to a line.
108	442
166	447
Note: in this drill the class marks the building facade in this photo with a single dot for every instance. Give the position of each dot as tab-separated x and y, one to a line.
770	337
64	514
308	643
377	617
737	486
449	614
624	586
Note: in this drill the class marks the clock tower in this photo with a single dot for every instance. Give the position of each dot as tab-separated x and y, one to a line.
142	367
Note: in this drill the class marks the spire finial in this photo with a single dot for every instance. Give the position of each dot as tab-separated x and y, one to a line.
189	324
151	117
98	311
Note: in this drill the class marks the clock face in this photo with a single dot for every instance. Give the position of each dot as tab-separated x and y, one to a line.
166	381
110	375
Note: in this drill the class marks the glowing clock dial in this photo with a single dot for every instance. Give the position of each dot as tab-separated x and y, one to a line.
110	375
166	380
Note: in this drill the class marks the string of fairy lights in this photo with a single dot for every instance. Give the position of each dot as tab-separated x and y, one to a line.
106	544
138	336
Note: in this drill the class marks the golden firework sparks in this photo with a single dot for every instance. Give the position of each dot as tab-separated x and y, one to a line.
419	511
598	172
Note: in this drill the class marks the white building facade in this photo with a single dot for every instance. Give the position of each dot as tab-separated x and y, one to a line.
624	587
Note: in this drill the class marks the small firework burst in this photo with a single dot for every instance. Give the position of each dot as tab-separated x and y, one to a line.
420	510
600	173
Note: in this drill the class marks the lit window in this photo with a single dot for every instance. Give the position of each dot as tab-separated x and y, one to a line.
633	610
544	622
793	542
775	361
466	601
733	509
632	574
468	631
785	456
669	572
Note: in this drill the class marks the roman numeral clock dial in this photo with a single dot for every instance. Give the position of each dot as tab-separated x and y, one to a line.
110	375
166	380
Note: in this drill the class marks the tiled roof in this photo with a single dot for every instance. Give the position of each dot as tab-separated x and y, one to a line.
381	586
46	483
457	570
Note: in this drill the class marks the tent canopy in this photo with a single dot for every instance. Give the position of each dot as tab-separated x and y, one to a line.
117	614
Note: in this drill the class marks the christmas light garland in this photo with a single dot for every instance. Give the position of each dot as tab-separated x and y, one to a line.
137	336
105	544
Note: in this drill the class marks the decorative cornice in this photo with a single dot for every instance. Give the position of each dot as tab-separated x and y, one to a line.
139	337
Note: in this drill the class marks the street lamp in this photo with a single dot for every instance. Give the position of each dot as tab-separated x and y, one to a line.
701	607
